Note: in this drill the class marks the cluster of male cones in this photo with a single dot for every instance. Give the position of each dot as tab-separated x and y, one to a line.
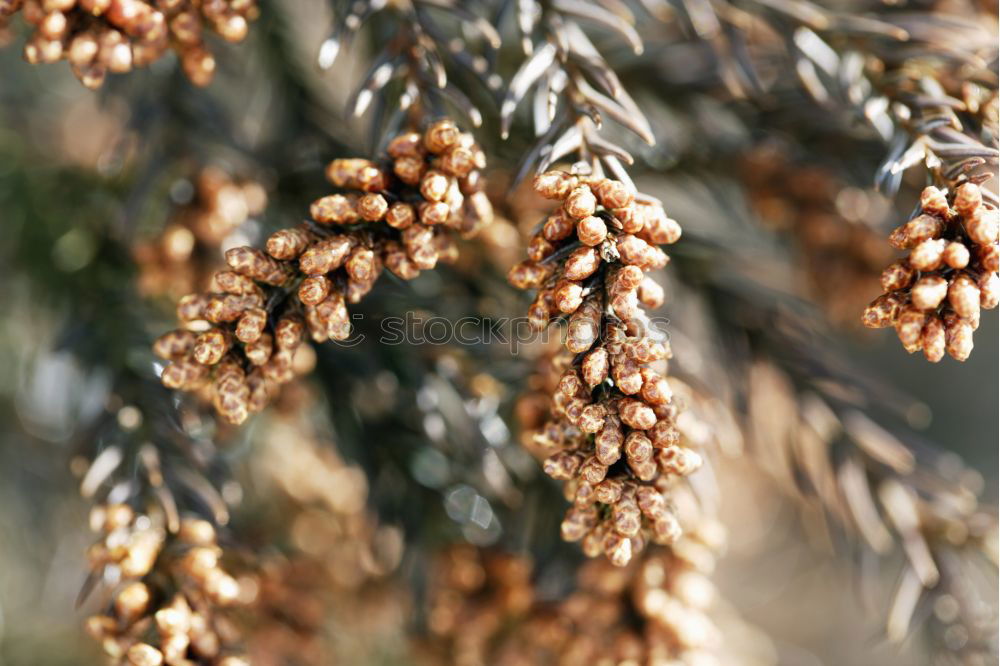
933	297
486	607
98	37
169	602
601	414
239	339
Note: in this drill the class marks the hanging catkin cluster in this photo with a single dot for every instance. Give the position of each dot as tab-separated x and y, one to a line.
934	296
183	256
485	609
165	608
402	215
335	563
603	417
98	37
473	595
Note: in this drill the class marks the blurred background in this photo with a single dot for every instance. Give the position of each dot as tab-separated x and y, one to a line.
113	203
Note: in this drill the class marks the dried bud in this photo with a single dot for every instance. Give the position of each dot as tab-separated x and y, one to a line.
255	264
958	337
441	136
917	230
580	203
372	207
963	295
555	184
251	325
325	256
934	202
562	465
968	198
638	447
591	231
557	227
581	264
143	654
613	193
211	346
927	255
400	215
314	289
882	312
932	339
174	344
407	144
983	226
595	367
928	292
434	185
331	209
909	324
897	276
636	414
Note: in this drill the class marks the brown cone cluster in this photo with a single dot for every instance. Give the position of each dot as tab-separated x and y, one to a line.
484	609
601	415
166	607
240	338
933	297
335	567
99	37
183	256
474	594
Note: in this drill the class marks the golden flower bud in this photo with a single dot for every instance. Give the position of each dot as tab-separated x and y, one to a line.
143	654
174	344
897	276
927	255
638	447
958	337
577	523
251	325
968	198
581	264
882	312
921	228
400	215
562	465
580	203
627	375
591	230
932	339
618	549
983	226
963	295
555	184
331	209
259	351
441	136
636	414
928	292
612	193
934	202
211	346
132	601
909	324
372	207
956	255
407	144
